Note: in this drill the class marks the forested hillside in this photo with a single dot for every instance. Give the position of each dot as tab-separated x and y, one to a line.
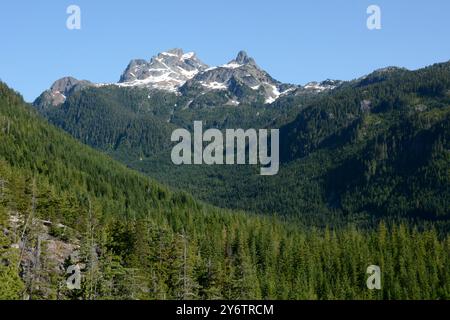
372	148
62	203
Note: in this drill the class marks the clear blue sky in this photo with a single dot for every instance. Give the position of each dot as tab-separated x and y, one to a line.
295	41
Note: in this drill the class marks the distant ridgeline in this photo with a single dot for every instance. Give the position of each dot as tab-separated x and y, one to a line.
360	151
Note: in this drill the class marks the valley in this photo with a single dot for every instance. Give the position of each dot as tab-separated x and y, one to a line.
363	181
345	147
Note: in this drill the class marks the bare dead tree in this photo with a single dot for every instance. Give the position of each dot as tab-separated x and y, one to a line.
28	221
91	254
187	288
27	237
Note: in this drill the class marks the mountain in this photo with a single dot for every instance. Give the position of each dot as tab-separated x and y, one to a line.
357	151
241	81
236	76
64	204
60	90
167	71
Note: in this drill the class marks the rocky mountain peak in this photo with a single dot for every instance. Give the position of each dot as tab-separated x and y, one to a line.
65	85
60	90
243	58
176	51
168	70
241	78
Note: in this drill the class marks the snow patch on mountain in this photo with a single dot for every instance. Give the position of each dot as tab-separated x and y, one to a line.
273	95
232	65
214	85
322	86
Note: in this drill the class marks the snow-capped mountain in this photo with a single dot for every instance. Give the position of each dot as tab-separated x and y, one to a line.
239	81
166	71
174	69
242	71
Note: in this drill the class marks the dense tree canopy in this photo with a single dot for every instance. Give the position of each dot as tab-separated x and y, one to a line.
372	148
137	240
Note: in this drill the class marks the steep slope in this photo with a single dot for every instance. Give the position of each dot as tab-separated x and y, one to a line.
345	152
368	150
62	204
122	120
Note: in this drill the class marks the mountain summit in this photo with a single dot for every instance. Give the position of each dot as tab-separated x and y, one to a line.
240	77
174	69
167	71
59	90
243	58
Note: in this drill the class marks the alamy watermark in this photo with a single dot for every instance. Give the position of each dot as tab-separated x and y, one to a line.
73	22
73	282
374	280
231	150
374	20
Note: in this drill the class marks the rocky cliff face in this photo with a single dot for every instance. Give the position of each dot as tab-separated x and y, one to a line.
59	91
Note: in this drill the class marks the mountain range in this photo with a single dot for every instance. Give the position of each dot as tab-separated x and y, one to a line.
364	180
184	74
355	150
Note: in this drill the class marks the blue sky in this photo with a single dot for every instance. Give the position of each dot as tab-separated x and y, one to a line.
295	41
